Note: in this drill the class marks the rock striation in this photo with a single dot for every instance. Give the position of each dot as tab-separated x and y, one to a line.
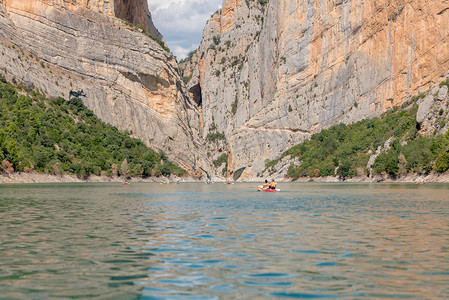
271	73
83	49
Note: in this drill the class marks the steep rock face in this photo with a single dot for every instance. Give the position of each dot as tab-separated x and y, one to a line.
79	48
135	11
286	69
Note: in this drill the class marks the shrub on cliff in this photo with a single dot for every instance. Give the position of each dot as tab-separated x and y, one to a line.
215	136
222	159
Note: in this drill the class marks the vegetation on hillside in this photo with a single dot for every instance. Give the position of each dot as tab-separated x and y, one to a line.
222	159
58	136
344	150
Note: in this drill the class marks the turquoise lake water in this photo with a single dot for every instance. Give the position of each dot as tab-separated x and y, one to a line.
197	241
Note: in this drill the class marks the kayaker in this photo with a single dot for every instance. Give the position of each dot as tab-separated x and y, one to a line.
273	184
266	184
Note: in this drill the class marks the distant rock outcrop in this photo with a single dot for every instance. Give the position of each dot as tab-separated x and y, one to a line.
271	73
433	110
136	12
83	49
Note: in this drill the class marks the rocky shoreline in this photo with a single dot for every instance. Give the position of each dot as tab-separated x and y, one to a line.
32	177
409	178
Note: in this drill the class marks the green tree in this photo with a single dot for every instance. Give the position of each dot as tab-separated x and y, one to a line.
442	162
164	169
137	170
344	168
387	162
124	168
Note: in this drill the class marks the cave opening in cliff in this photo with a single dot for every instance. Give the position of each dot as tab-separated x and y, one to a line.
196	94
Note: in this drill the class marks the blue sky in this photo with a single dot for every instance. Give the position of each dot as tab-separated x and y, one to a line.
181	22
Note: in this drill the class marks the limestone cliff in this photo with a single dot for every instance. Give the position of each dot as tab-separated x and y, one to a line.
82	48
135	11
271	73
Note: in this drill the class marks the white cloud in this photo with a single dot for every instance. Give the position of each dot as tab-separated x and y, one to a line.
181	51
181	22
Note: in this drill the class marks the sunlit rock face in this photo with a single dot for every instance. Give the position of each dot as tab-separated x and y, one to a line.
273	74
84	49
135	11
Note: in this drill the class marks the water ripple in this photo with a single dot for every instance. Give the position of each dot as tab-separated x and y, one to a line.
193	241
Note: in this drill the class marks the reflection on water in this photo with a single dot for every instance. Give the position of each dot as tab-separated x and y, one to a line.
193	241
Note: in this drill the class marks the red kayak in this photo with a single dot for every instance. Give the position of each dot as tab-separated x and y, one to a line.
262	189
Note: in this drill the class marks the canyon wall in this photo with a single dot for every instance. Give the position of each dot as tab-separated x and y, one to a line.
83	49
271	73
134	11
